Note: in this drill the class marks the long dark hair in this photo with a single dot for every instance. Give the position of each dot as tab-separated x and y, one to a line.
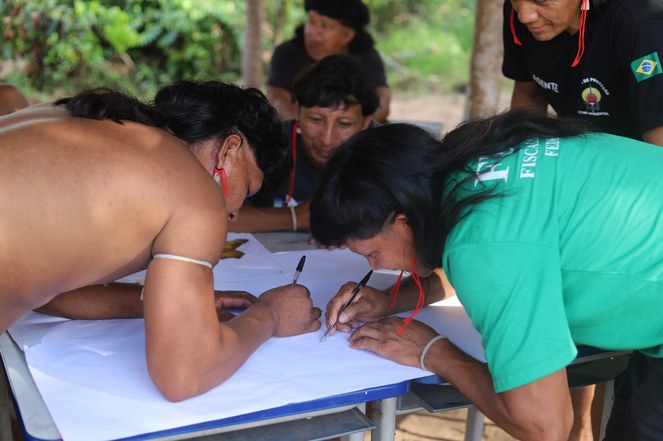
401	168
198	111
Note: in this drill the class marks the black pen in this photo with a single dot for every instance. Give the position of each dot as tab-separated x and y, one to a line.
354	293
300	267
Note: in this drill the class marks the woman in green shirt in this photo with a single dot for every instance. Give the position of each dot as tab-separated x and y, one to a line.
552	236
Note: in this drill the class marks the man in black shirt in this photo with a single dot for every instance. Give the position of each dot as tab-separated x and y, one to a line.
334	100
332	26
599	60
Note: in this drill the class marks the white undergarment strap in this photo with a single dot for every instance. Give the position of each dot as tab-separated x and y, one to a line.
183	259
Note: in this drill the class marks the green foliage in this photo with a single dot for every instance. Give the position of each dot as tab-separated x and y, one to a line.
426	44
61	46
52	48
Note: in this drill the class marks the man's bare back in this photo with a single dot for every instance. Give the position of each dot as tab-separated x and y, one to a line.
87	200
87	191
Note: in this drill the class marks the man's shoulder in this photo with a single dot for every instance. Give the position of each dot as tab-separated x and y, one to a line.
288	48
635	11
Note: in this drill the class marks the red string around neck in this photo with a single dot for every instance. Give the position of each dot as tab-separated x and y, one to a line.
291	187
512	24
421	301
581	33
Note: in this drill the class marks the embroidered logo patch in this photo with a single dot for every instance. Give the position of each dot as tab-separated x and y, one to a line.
646	67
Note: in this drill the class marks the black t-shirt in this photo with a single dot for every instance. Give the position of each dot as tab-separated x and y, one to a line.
618	84
290	57
306	178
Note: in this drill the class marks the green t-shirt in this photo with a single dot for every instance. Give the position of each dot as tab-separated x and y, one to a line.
571	252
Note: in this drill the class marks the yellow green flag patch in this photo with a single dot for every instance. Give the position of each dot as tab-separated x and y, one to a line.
646	67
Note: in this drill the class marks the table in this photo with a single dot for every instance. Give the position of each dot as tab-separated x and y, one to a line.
332	416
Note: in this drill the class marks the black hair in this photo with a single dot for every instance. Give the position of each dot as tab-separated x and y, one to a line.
352	13
333	81
198	111
401	168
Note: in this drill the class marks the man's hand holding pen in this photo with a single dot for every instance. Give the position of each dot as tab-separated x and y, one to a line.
291	309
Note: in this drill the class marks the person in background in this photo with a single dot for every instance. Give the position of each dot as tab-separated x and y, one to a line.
598	60
514	209
334	100
11	99
332	26
100	185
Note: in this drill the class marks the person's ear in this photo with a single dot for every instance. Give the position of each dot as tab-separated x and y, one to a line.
230	147
348	35
298	111
401	218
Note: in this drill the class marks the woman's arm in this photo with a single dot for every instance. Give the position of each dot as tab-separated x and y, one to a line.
540	410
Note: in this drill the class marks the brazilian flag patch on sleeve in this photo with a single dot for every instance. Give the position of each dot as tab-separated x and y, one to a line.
646	67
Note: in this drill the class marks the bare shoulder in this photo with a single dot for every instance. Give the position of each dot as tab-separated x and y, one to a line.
125	188
32	114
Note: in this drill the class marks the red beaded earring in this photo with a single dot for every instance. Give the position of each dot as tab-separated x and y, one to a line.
220	176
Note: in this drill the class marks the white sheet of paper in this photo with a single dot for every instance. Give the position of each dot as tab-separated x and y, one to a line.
93	377
256	262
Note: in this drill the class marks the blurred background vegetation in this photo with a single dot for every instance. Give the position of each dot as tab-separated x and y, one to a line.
53	48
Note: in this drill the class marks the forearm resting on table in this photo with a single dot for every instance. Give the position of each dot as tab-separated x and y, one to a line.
436	287
189	362
253	219
115	300
540	410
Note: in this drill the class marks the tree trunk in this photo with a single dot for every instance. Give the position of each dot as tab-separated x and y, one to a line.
252	54
486	68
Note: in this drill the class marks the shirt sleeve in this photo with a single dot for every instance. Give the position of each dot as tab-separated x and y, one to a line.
513	60
513	294
641	61
374	67
286	62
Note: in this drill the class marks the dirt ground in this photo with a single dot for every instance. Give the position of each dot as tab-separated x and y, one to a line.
443	426
447	109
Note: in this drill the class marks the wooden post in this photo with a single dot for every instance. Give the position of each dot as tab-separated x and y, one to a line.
252	54
486	68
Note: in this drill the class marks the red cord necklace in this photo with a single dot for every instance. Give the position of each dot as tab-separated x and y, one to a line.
420	301
291	187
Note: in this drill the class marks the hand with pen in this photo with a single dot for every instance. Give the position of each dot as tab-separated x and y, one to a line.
368	305
291	307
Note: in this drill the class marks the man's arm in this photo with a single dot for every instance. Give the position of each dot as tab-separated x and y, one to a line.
122	300
281	99
528	94
382	111
98	302
188	351
256	219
